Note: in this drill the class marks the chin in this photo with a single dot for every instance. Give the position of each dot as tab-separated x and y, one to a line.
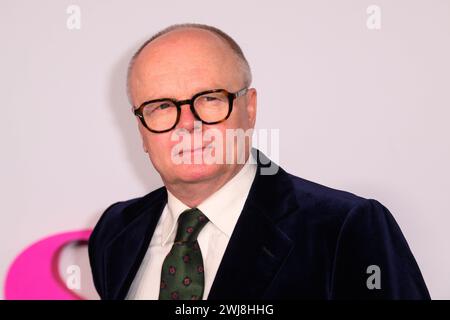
196	172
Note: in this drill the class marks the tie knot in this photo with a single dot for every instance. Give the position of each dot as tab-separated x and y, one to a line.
190	223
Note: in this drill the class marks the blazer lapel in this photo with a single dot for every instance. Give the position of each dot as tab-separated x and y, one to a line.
124	254
257	247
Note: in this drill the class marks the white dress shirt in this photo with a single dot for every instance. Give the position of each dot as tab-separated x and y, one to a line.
222	208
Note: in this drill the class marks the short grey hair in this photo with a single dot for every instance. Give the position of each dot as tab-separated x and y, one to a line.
242	61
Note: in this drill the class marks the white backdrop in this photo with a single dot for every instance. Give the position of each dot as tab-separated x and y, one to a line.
361	110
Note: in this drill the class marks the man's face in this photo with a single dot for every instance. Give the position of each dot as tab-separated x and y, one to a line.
179	65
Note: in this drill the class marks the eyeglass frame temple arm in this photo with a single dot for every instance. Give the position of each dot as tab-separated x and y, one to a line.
241	92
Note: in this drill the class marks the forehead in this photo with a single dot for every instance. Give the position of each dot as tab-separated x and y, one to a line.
183	62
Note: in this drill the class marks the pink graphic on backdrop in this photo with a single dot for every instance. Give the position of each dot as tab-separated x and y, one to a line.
34	273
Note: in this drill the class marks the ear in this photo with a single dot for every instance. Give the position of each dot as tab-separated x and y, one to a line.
251	106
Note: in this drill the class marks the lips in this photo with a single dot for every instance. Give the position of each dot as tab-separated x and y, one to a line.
195	150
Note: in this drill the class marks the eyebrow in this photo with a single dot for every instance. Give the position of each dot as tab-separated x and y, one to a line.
150	98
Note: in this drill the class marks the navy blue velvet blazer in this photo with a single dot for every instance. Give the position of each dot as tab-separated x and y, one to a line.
295	239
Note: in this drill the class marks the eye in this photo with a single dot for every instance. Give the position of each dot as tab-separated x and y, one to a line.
163	106
208	98
216	98
158	107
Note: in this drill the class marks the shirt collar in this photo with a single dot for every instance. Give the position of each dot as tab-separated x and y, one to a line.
222	208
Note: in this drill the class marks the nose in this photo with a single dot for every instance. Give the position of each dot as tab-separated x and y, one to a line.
187	118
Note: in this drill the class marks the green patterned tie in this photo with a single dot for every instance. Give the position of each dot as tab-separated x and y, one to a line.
182	276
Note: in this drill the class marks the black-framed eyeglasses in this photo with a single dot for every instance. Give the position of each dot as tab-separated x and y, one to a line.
210	107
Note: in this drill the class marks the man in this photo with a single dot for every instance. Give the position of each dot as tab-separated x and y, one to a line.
225	229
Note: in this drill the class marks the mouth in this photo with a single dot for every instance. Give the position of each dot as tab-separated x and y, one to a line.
195	150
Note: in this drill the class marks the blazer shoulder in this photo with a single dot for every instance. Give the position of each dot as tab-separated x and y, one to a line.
111	223
325	208
121	213
341	211
331	201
